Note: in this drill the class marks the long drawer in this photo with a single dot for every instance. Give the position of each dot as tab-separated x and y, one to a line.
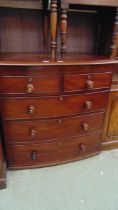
54	152
77	82
43	107
29	84
46	130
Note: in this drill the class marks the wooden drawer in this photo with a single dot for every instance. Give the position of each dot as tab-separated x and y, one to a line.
54	152
78	82
29	108
28	85
40	130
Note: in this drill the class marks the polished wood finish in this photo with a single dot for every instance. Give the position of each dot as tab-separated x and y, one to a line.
32	108
96	2
55	152
63	29
110	135
46	130
112	128
86	81
29	84
53	26
45	27
54	88
21	31
89	31
35	4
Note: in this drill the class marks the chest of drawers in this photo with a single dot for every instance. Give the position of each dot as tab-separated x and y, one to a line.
53	114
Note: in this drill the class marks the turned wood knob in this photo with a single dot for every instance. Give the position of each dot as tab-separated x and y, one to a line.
33	132
59	143
30	88
31	109
90	84
82	147
34	155
60	121
85	126
61	98
88	104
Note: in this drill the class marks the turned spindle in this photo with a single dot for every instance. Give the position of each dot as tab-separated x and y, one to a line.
45	27
53	28
63	29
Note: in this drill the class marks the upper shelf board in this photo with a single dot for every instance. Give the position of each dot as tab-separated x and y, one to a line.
93	2
21	4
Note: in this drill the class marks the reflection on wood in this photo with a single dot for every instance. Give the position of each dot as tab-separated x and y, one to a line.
113	124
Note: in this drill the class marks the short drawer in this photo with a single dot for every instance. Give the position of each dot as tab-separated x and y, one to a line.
54	152
44	107
79	82
29	85
47	130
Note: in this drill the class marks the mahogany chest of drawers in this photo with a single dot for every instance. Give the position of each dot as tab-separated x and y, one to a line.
53	114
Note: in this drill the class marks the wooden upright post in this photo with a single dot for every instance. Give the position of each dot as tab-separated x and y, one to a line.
45	27
63	28
53	26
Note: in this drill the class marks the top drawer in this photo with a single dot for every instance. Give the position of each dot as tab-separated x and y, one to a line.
28	85
79	82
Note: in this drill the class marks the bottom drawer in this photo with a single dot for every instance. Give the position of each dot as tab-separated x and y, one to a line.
55	152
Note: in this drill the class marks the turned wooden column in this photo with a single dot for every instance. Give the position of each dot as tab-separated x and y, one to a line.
53	28
63	26
114	47
45	27
63	29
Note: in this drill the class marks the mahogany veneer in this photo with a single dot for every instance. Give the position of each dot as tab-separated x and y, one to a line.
59	151
51	122
54	90
49	129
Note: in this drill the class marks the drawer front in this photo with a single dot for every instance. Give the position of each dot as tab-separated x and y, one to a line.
29	108
55	152
87	81
46	130
28	85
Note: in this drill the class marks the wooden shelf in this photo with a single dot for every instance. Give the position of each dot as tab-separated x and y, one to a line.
97	2
39	59
25	4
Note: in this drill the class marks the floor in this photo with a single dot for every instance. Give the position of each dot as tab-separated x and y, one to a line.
90	184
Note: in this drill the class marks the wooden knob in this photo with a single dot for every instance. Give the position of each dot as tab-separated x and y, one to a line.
90	84
82	147
34	155
88	104
33	132
31	109
61	98
60	121
59	143
30	88
85	126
